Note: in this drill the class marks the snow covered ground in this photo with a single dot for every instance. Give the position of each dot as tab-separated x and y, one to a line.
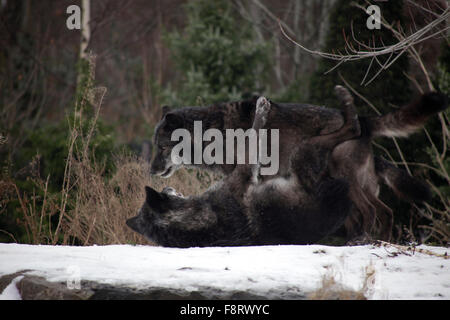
381	272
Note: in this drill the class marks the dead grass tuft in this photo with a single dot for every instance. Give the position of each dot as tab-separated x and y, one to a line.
102	206
331	289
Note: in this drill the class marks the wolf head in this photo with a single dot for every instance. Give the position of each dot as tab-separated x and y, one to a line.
162	165
152	213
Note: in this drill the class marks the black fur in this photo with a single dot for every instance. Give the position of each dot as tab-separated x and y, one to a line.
409	118
301	208
351	160
432	103
403	185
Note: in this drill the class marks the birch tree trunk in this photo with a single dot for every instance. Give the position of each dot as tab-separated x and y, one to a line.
85	28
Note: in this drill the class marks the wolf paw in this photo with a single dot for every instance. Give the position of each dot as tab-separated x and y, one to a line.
346	99
343	95
262	105
172	192
261	112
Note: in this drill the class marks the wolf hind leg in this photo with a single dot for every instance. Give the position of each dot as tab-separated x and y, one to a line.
347	101
310	161
351	128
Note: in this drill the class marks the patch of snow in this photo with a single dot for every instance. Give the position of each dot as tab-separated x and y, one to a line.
11	292
260	270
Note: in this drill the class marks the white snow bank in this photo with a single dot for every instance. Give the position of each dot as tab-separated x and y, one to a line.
260	270
11	292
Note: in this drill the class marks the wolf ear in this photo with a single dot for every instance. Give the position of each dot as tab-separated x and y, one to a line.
165	110
174	121
153	198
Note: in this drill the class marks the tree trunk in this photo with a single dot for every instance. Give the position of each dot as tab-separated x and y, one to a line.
85	28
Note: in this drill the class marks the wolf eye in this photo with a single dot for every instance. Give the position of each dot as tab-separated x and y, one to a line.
163	148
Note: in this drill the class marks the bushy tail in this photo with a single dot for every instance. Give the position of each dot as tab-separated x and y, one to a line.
409	118
403	185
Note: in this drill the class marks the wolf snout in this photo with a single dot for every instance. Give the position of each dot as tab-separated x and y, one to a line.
133	224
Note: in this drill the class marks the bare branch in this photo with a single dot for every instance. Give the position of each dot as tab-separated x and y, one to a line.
394	51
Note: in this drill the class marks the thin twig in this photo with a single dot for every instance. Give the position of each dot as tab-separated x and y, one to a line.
405	43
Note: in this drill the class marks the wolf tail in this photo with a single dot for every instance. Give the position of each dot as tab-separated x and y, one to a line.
402	184
406	120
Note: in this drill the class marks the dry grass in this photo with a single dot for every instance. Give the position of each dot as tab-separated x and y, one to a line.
37	207
331	289
92	209
102	206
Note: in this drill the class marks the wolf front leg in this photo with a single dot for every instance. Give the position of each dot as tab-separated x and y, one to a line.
248	173
261	114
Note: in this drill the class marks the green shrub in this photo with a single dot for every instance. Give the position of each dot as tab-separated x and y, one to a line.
217	56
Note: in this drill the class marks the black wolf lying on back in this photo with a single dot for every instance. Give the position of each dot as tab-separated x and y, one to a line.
352	160
302	207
